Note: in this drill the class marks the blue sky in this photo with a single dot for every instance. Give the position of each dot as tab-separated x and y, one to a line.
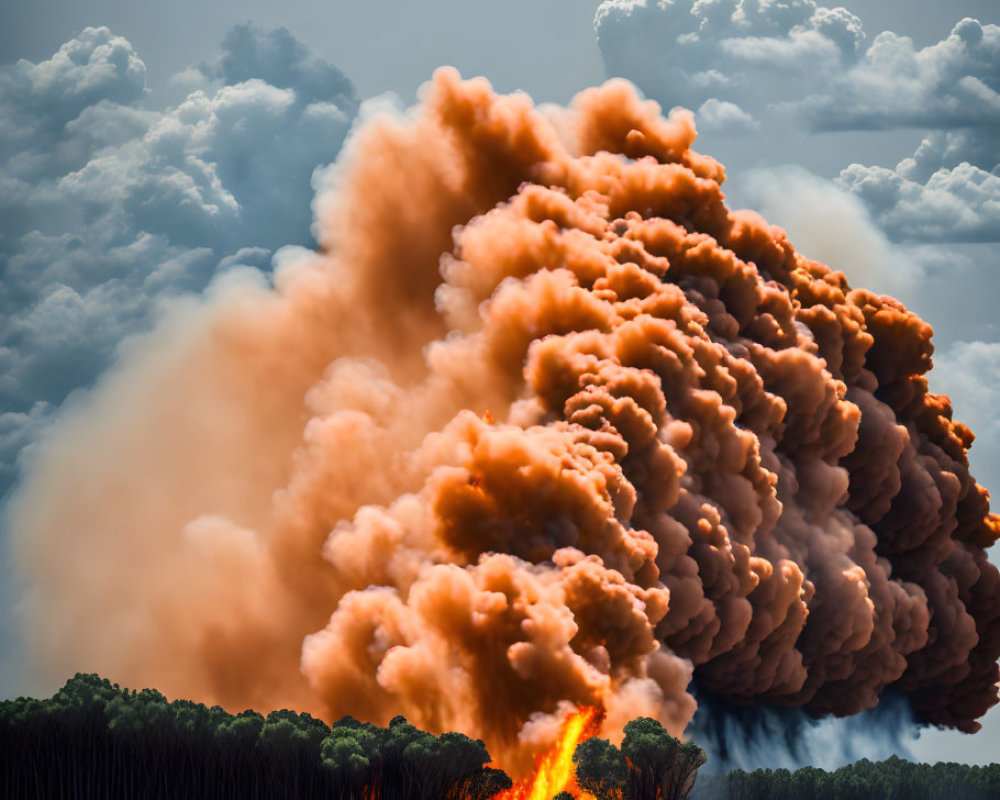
127	128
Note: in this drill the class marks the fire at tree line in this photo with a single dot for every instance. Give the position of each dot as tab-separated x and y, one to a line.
93	739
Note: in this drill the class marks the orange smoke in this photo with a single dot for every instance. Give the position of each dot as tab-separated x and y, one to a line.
544	425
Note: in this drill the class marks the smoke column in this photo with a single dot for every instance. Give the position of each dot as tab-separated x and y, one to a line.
543	423
786	737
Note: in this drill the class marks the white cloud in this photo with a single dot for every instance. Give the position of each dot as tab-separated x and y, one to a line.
763	51
827	71
957	204
803	62
952	83
949	149
949	190
107	206
279	59
37	101
721	115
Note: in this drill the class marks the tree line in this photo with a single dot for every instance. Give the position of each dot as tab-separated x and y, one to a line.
93	739
892	779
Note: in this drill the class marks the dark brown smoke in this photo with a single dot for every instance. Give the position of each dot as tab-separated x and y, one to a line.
544	423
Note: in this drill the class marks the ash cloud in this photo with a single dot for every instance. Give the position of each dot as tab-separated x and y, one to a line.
543	423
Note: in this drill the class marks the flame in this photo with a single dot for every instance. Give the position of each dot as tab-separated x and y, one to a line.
554	771
698	431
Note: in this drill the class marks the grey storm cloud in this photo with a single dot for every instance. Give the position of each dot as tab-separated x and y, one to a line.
761	61
108	207
280	59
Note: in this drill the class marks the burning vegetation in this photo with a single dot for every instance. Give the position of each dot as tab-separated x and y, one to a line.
94	739
544	426
554	771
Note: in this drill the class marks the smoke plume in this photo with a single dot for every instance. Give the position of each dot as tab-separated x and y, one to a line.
543	423
786	737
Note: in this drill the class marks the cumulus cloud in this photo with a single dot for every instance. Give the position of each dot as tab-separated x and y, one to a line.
949	190
815	65
108	206
957	204
948	149
810	59
721	115
684	52
280	59
950	84
81	82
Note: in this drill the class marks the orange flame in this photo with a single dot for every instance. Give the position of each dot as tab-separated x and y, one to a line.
554	771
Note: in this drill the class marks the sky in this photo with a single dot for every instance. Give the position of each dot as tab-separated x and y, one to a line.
128	131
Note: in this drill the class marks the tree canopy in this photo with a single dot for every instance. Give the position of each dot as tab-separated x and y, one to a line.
651	765
95	739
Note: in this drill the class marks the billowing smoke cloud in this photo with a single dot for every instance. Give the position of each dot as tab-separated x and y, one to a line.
971	372
814	213
543	422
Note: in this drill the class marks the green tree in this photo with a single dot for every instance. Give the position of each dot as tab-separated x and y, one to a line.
660	766
601	769
651	765
93	739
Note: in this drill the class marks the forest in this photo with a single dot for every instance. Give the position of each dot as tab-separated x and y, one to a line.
93	739
892	779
